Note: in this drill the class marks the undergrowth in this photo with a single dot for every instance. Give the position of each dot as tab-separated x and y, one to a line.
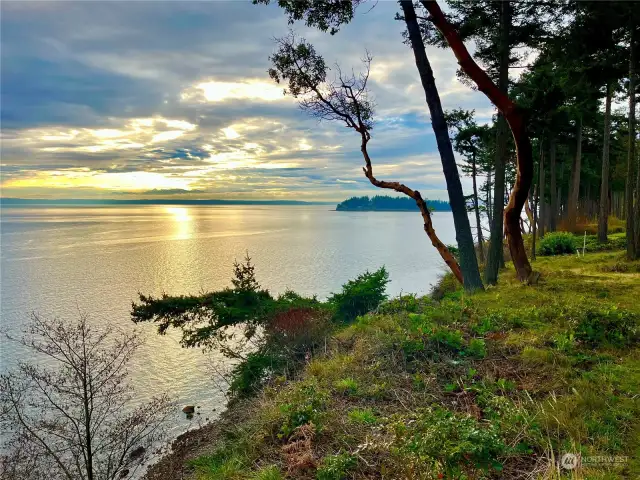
500	384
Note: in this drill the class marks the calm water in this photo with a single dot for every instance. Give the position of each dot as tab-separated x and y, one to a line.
57	261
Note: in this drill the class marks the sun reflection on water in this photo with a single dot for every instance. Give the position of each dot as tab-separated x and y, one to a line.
182	222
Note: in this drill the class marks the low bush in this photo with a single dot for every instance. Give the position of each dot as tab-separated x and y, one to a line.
360	295
608	327
557	243
336	467
305	406
442	442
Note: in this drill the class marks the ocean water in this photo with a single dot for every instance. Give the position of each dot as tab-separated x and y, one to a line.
59	261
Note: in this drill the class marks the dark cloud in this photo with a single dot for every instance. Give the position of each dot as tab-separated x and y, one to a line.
77	76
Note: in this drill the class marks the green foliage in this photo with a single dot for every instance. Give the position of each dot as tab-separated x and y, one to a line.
360	295
221	465
608	327
271	472
250	374
477	348
306	406
347	386
336	467
365	416
442	441
557	243
387	203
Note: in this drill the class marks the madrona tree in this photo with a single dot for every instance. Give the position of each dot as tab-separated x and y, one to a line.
346	100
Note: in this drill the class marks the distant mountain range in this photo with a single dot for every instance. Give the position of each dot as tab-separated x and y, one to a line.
162	201
386	203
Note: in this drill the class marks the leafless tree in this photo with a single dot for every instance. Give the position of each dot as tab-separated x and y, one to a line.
346	100
66	414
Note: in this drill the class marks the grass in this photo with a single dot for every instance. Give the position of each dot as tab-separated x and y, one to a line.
498	384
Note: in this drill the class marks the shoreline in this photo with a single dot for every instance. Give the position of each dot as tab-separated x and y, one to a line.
172	463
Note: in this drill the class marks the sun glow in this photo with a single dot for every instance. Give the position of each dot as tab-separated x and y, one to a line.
252	89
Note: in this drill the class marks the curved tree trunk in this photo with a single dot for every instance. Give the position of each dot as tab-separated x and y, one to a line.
446	255
603	214
464	237
516	120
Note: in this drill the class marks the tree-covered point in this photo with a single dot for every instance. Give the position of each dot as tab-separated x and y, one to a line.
387	203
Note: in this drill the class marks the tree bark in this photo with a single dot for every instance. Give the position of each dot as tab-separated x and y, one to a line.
553	204
632	248
464	237
603	215
516	120
633	38
476	205
535	222
495	257
489	199
574	185
540	199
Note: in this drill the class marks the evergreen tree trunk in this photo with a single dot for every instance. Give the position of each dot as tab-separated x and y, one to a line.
476	205
632	247
468	260
534	223
553	206
495	256
518	125
574	186
541	216
603	215
489	199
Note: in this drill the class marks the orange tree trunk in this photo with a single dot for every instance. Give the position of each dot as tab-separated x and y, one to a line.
516	119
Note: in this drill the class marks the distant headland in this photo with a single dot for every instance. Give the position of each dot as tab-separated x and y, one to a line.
146	201
383	203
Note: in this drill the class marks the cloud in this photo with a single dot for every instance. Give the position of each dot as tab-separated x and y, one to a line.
174	97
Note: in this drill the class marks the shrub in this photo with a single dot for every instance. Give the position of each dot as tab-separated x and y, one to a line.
607	327
477	348
249	375
306	406
441	440
336	467
557	243
360	295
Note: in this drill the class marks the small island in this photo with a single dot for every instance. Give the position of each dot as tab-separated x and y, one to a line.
384	203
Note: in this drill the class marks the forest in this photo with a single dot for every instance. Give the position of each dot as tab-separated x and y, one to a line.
385	202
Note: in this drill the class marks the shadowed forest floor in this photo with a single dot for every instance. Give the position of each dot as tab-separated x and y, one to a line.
500	384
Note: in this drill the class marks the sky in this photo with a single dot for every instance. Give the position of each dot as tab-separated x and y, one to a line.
155	99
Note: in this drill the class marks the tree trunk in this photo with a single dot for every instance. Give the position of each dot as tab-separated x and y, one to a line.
632	248
464	237
476	205
540	201
603	215
495	256
632	132
446	255
489	199
574	186
535	222
516	120
553	205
